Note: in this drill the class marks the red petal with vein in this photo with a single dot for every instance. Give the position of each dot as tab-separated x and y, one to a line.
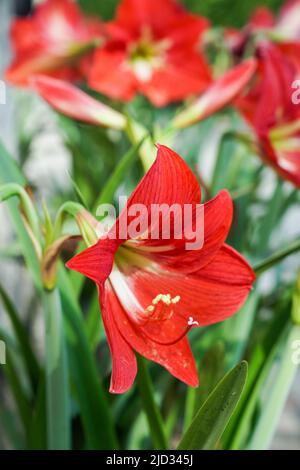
73	102
96	261
177	359
222	92
169	181
218	214
124	366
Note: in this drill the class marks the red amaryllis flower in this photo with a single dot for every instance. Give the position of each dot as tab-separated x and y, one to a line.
51	41
73	102
270	110
152	291
152	50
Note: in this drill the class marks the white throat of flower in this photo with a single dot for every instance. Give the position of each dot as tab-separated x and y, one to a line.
146	55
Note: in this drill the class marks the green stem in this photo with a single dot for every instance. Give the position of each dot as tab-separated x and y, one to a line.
268	263
137	133
114	181
271	217
13	189
150	407
58	406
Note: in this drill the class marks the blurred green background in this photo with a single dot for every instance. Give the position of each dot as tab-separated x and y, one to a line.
221	12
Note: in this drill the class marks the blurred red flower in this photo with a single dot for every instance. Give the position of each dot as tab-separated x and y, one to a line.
285	29
270	109
153	291
52	41
154	49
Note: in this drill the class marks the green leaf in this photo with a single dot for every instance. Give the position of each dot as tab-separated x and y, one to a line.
57	379
84	374
151	409
212	418
271	409
260	365
26	352
18	392
210	371
10	173
117	176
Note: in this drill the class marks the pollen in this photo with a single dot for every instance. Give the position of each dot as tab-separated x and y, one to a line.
150	308
161	307
166	299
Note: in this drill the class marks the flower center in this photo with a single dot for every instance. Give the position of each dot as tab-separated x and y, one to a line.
146	55
162	309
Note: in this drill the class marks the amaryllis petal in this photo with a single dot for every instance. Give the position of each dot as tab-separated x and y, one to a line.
73	102
177	359
35	61
209	295
269	108
185	73
221	93
169	182
111	75
96	261
23	35
51	41
215	224
124	366
134	15
262	18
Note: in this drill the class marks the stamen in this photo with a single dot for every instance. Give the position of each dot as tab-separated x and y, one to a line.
161	308
150	308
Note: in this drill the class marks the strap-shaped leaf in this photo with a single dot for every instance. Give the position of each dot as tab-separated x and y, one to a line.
213	416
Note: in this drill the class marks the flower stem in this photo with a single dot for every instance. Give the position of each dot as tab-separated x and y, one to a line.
268	263
58	406
150	407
